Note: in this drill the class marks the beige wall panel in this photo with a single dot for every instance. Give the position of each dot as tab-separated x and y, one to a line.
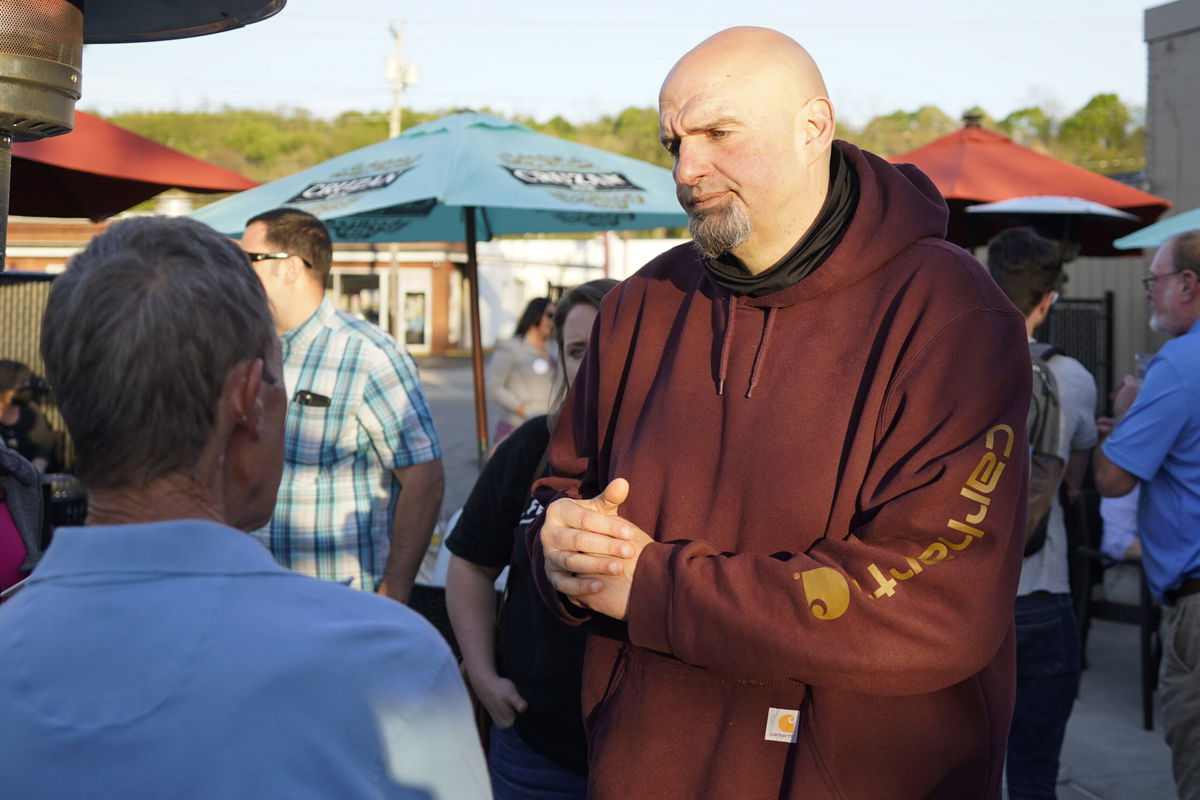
1092	277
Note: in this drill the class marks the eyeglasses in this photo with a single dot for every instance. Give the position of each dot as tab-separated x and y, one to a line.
1150	280
256	257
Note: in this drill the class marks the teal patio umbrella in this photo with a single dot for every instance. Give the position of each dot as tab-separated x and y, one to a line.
463	177
1157	234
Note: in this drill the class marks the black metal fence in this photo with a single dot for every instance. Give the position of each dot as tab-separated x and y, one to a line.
1083	329
22	301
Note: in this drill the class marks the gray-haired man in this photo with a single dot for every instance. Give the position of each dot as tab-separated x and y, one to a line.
162	652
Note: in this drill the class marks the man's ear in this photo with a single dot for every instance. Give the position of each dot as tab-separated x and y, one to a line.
240	400
293	269
1042	309
1189	285
815	126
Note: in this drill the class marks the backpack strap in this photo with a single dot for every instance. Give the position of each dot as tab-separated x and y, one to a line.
1045	465
1044	350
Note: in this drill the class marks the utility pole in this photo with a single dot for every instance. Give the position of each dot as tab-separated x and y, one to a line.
402	74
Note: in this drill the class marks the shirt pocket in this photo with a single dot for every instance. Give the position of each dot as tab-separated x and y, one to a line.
312	435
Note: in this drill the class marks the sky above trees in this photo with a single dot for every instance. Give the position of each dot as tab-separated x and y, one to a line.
545	58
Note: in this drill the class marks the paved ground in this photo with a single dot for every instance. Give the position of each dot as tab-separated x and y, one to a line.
1107	754
447	385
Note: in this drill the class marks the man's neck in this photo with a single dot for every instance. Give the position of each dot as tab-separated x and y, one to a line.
292	315
762	256
173	497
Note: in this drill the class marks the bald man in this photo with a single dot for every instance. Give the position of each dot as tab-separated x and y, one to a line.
791	477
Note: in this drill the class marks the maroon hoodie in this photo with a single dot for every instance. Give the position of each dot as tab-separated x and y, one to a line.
835	478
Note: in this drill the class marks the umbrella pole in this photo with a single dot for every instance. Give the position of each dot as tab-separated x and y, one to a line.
5	173
476	338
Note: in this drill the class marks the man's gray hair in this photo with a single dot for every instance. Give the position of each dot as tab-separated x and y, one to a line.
1185	251
138	338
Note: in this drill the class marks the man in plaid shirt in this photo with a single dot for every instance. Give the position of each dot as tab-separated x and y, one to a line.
363	480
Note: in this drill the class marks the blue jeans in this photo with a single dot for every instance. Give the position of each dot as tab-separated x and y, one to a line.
1047	680
521	773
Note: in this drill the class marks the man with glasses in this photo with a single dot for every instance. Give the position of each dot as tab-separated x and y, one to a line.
1155	442
363	479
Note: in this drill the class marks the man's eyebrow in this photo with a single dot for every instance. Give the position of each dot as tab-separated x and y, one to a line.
700	127
720	122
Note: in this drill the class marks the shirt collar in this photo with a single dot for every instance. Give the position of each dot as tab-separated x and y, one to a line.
303	334
183	546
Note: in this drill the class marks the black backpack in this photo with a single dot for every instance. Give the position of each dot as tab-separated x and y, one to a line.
1044	424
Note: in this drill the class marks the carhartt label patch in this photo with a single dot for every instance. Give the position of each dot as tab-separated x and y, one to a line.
782	724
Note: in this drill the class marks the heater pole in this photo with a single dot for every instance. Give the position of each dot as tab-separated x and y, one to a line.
5	175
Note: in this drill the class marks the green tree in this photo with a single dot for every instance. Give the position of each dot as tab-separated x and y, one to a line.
1102	136
559	127
979	116
1029	126
1105	135
901	131
1102	124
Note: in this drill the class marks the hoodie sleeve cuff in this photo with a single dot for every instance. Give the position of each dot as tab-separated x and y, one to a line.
650	598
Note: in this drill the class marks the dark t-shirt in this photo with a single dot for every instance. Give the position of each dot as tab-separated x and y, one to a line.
29	435
538	653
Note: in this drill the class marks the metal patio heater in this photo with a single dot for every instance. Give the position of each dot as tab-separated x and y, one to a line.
41	50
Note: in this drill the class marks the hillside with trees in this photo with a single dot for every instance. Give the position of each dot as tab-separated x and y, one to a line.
1106	135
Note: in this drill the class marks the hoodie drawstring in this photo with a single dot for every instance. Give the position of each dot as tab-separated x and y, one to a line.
725	344
761	355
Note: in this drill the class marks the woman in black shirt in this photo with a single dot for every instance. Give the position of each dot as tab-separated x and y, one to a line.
527	674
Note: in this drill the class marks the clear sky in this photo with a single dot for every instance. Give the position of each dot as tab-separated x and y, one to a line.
585	59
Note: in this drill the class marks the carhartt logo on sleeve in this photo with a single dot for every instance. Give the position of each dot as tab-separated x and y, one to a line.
782	724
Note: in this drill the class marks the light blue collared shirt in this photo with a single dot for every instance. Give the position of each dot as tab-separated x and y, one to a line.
177	660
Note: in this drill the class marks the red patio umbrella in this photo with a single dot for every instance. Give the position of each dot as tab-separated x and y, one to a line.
100	169
974	165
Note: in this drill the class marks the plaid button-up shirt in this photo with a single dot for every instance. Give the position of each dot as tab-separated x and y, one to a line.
356	413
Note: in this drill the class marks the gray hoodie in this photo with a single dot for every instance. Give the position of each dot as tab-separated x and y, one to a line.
22	487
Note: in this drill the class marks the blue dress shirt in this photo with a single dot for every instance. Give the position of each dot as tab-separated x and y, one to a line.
177	660
1158	440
